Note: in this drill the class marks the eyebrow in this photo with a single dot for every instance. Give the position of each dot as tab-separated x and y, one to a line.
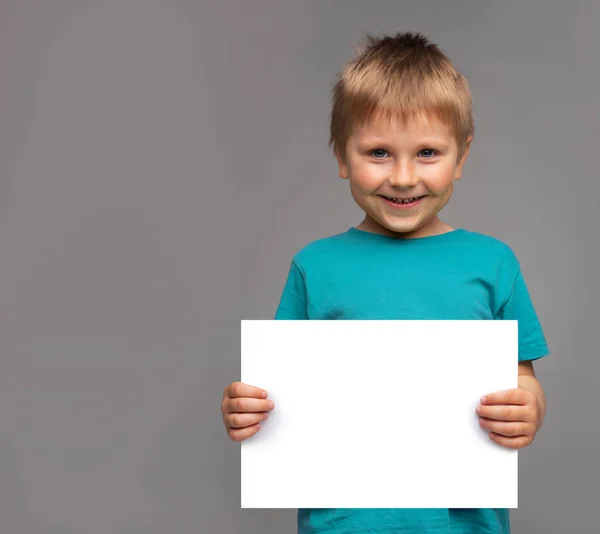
385	141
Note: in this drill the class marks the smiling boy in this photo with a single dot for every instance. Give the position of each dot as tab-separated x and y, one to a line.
401	130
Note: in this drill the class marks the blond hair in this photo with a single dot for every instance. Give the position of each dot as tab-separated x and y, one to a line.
400	76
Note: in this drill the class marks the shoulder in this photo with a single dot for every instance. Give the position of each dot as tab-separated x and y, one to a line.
319	249
492	247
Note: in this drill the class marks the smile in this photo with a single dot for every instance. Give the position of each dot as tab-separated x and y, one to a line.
402	202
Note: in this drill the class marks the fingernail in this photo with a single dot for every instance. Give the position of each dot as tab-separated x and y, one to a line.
271	405
264	394
265	415
483	399
478	409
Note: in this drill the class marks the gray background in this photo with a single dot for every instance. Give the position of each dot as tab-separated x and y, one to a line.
161	162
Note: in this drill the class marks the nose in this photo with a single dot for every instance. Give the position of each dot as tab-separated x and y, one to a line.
403	175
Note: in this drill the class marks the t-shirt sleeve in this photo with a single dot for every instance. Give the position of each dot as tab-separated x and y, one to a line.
293	301
518	306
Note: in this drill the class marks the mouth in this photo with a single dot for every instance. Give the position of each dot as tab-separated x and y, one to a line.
403	202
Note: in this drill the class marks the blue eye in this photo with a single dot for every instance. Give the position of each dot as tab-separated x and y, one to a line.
376	151
428	150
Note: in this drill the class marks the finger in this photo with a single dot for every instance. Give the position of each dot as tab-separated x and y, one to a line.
243	420
239	389
509	430
511	443
245	405
510	396
244	433
503	412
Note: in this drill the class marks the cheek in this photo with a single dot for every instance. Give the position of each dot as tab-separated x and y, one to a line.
438	179
368	176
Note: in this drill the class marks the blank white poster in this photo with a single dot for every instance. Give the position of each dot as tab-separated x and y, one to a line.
377	414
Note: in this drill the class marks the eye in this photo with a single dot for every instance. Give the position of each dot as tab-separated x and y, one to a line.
377	153
428	153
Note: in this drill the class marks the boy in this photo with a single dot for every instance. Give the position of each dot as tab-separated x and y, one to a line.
401	128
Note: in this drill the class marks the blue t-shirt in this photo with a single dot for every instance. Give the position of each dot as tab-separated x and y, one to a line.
459	275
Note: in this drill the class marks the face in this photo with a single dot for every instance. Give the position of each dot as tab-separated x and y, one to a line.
402	175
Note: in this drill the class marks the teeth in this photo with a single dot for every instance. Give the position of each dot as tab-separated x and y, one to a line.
404	201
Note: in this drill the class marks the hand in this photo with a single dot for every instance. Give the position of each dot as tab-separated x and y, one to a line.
243	408
512	416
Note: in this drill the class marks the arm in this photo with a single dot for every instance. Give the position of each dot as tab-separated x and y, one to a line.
515	416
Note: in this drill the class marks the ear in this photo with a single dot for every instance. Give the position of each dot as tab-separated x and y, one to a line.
463	159
343	168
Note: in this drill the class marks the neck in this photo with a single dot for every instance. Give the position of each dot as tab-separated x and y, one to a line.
431	228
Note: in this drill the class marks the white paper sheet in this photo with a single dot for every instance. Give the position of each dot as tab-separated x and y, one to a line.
377	414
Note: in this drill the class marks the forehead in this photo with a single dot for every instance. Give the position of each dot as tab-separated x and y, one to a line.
384	126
